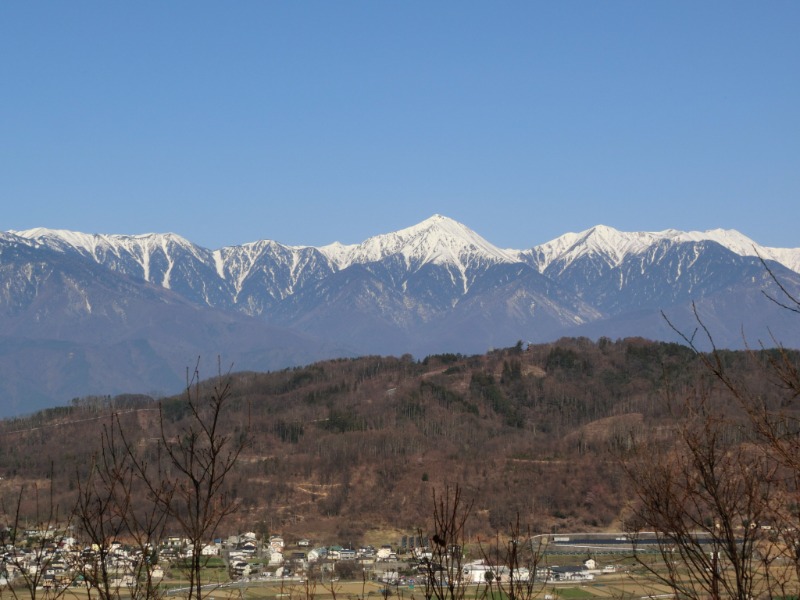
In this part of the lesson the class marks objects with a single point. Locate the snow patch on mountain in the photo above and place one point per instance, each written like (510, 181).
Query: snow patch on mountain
(283, 265)
(12, 237)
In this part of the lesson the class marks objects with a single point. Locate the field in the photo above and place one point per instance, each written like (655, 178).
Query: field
(620, 586)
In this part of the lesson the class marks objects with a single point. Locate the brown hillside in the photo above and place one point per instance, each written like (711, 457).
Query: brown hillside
(346, 447)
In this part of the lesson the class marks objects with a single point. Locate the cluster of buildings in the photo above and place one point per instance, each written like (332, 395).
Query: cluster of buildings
(247, 556)
(54, 559)
(49, 559)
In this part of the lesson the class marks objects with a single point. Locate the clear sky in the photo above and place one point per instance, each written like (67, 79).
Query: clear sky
(309, 122)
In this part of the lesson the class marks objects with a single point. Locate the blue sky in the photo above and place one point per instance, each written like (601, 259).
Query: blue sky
(309, 122)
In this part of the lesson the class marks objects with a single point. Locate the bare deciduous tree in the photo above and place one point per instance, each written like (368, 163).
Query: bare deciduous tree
(720, 494)
(188, 480)
(106, 512)
(702, 490)
(515, 561)
(444, 577)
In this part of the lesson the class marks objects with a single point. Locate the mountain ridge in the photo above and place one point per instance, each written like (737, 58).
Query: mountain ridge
(406, 242)
(158, 299)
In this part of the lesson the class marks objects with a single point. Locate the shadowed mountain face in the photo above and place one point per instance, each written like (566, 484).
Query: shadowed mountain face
(100, 314)
(71, 327)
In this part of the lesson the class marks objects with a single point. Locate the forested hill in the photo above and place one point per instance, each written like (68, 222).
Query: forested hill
(352, 445)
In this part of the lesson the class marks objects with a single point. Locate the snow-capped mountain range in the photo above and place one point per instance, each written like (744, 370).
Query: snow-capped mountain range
(103, 313)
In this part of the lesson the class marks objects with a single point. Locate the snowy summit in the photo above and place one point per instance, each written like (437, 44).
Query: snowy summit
(437, 240)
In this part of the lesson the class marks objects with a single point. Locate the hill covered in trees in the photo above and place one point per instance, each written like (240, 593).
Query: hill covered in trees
(343, 447)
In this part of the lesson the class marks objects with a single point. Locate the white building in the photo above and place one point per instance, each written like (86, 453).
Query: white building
(211, 549)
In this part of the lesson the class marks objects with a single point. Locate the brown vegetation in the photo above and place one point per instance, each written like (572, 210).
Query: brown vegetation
(718, 488)
(345, 446)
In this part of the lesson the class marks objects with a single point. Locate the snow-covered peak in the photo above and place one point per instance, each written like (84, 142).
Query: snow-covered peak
(90, 243)
(437, 240)
(729, 238)
(237, 262)
(613, 245)
(744, 246)
(61, 239)
(120, 250)
(337, 252)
